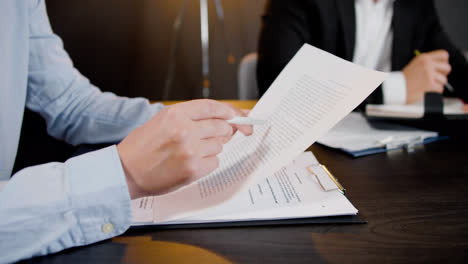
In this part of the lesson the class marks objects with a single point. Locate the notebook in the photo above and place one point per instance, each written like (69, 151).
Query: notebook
(451, 106)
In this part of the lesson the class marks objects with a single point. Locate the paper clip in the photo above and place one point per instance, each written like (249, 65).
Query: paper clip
(322, 182)
(409, 144)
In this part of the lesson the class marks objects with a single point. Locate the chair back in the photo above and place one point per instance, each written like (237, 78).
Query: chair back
(247, 77)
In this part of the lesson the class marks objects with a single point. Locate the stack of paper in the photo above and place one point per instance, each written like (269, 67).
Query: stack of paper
(357, 137)
(292, 192)
(312, 93)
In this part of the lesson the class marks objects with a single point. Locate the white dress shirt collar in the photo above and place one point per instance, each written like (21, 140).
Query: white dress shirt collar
(373, 45)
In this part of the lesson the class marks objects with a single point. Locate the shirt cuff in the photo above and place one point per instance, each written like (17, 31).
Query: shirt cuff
(394, 89)
(99, 194)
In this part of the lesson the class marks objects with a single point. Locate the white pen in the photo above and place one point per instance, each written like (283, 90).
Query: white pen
(449, 87)
(247, 121)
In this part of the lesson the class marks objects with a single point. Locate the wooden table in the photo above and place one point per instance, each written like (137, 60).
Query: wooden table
(416, 206)
(244, 104)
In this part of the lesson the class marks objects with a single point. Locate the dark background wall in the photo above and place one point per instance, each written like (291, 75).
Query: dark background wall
(454, 17)
(124, 45)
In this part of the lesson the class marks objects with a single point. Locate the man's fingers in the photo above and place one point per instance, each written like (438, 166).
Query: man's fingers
(439, 82)
(207, 109)
(245, 111)
(245, 129)
(443, 68)
(465, 109)
(213, 128)
(439, 55)
(436, 84)
(225, 140)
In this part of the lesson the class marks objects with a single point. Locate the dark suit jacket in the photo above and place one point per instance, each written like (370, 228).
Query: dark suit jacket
(330, 25)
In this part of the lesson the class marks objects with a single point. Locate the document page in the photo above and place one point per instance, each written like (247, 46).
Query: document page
(292, 192)
(312, 93)
(142, 210)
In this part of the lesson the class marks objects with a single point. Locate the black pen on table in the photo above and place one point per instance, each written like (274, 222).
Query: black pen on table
(447, 85)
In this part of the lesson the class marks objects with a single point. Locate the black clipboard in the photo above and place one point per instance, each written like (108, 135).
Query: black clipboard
(347, 219)
(321, 220)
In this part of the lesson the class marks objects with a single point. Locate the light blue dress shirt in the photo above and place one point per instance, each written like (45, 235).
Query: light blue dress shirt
(47, 208)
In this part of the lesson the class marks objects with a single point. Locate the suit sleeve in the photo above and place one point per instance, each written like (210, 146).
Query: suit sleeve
(437, 38)
(285, 28)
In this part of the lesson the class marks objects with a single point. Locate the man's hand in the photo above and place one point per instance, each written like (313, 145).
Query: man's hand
(426, 73)
(177, 146)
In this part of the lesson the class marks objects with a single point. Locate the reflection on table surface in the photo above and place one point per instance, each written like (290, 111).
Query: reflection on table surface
(143, 250)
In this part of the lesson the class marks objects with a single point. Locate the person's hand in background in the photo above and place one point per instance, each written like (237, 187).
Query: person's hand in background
(426, 73)
(177, 146)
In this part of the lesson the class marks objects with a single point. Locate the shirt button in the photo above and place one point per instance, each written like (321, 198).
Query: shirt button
(107, 228)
